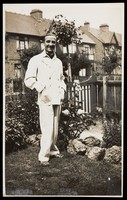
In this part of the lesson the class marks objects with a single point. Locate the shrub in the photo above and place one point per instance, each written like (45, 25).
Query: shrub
(27, 54)
(72, 124)
(112, 133)
(79, 62)
(25, 111)
(21, 121)
(15, 138)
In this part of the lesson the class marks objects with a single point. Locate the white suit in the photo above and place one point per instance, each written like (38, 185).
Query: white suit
(46, 76)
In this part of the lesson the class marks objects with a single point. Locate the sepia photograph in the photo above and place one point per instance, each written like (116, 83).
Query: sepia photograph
(63, 76)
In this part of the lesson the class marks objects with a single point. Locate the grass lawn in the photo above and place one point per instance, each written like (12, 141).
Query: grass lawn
(71, 175)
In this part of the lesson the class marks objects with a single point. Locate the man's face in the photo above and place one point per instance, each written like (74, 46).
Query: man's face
(50, 43)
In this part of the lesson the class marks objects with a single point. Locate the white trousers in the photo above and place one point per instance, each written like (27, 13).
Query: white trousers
(49, 121)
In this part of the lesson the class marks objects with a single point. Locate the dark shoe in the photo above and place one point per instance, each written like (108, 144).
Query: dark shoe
(57, 156)
(44, 163)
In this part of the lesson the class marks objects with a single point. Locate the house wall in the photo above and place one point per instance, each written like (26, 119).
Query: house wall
(99, 49)
(99, 53)
(34, 41)
(12, 57)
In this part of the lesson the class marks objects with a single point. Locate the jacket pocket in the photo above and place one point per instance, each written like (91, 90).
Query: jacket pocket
(45, 96)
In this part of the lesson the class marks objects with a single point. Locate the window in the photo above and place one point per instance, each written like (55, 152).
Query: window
(17, 85)
(72, 48)
(17, 82)
(17, 69)
(82, 72)
(21, 43)
(91, 57)
(86, 49)
(64, 50)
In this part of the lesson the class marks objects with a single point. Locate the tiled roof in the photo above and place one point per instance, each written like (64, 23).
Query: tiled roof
(24, 24)
(86, 39)
(104, 36)
(119, 38)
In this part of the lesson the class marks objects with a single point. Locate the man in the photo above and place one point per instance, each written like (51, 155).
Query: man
(45, 74)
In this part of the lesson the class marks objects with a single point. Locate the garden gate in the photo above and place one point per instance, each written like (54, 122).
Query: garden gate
(84, 94)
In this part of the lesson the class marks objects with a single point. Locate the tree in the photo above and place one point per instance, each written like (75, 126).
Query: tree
(26, 54)
(66, 34)
(79, 62)
(111, 60)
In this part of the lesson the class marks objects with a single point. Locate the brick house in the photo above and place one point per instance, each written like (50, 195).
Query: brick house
(87, 47)
(103, 39)
(23, 31)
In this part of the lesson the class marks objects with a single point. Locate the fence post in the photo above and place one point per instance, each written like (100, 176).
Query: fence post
(104, 95)
(93, 97)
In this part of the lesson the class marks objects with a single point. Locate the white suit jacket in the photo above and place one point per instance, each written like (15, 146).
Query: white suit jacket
(46, 76)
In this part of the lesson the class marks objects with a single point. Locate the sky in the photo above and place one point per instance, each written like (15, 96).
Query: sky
(96, 14)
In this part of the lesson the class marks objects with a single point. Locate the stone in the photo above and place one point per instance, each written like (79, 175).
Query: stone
(95, 153)
(113, 155)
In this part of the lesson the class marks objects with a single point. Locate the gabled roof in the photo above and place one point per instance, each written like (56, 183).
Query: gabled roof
(104, 36)
(119, 38)
(24, 24)
(86, 39)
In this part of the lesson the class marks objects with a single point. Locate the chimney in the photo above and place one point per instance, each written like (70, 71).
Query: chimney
(36, 14)
(86, 26)
(104, 27)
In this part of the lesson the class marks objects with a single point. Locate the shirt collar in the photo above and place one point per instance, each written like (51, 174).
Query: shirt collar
(45, 55)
